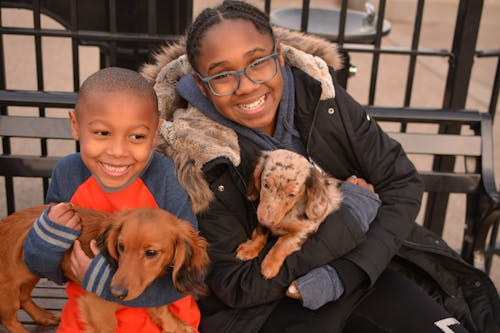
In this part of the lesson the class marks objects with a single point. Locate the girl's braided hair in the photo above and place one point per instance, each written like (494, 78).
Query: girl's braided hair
(228, 10)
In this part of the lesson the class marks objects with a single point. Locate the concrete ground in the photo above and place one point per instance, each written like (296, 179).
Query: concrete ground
(430, 80)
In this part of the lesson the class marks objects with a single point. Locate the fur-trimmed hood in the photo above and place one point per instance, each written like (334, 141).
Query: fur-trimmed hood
(192, 139)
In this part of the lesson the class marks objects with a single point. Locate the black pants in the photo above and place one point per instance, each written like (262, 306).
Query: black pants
(394, 304)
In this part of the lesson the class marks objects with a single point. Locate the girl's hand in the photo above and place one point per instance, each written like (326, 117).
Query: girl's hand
(63, 213)
(360, 182)
(80, 262)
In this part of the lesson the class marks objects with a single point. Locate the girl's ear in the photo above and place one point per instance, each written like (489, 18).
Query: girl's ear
(281, 59)
(74, 124)
(203, 87)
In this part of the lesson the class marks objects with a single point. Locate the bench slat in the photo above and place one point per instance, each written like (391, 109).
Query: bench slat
(38, 98)
(27, 166)
(447, 182)
(439, 144)
(35, 127)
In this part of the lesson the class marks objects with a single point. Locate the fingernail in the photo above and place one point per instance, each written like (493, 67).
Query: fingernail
(292, 290)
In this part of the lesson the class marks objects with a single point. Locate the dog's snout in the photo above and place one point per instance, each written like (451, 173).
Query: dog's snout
(119, 292)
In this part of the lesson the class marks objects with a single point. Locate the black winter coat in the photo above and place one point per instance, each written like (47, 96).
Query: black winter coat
(343, 140)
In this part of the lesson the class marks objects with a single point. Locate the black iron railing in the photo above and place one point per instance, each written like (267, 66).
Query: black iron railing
(128, 31)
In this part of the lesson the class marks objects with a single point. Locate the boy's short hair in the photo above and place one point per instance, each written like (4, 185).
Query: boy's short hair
(113, 79)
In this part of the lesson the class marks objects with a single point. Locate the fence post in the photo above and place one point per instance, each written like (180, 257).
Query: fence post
(457, 85)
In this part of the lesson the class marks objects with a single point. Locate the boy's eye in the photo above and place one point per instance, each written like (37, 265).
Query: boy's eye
(102, 133)
(137, 137)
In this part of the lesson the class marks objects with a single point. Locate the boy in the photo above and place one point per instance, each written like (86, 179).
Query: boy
(116, 121)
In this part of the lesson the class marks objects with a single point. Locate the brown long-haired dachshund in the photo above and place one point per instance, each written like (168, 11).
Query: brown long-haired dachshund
(144, 242)
(295, 198)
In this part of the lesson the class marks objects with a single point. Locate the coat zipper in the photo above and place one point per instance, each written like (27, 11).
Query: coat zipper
(310, 134)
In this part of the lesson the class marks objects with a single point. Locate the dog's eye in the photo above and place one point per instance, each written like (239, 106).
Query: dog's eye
(151, 253)
(292, 195)
(265, 185)
(120, 247)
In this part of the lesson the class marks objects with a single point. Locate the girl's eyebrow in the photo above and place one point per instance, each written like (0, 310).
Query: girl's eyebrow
(247, 54)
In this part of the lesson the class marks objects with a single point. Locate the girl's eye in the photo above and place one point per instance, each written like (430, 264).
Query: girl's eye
(120, 247)
(259, 62)
(223, 76)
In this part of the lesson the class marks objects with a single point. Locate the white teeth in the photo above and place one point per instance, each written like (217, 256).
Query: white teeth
(253, 105)
(115, 169)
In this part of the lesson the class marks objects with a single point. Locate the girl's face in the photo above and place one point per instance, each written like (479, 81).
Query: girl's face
(232, 45)
(116, 132)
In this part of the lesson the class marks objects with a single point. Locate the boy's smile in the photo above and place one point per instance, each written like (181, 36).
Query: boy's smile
(116, 131)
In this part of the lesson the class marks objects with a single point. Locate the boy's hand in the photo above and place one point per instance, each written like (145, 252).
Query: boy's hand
(80, 262)
(63, 213)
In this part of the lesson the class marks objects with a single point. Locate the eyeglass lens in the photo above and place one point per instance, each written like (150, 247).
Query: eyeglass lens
(259, 71)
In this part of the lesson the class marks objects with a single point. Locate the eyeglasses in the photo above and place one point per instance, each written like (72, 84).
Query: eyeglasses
(259, 71)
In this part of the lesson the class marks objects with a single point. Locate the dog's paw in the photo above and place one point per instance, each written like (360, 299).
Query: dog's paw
(45, 318)
(269, 269)
(247, 251)
(184, 328)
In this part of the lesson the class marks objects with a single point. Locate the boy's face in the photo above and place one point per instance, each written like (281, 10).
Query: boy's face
(116, 131)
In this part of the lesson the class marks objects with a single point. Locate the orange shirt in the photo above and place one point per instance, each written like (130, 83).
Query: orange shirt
(130, 320)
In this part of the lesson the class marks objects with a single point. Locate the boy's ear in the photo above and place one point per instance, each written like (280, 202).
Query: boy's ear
(157, 132)
(74, 124)
(203, 87)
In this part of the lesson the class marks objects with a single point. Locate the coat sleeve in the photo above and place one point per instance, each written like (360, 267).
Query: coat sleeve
(239, 284)
(383, 163)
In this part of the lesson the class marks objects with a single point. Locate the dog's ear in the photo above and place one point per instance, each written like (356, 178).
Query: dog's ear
(316, 195)
(102, 243)
(253, 189)
(191, 262)
(107, 241)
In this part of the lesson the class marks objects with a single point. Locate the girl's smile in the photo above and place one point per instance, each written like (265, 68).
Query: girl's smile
(253, 107)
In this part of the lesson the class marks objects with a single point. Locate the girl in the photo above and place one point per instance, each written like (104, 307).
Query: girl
(246, 87)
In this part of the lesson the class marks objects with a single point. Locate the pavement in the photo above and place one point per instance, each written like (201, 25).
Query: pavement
(430, 80)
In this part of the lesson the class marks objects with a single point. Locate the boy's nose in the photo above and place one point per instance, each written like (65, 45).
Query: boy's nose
(117, 148)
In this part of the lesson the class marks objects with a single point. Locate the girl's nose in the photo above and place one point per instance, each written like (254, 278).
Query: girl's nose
(246, 85)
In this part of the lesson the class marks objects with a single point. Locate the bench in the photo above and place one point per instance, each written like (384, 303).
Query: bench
(16, 162)
(474, 146)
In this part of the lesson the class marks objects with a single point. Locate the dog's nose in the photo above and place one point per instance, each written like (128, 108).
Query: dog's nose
(119, 292)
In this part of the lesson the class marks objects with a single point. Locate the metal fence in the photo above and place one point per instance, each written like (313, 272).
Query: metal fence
(127, 31)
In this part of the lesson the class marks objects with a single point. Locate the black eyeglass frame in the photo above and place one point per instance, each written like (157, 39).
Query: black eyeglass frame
(239, 73)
